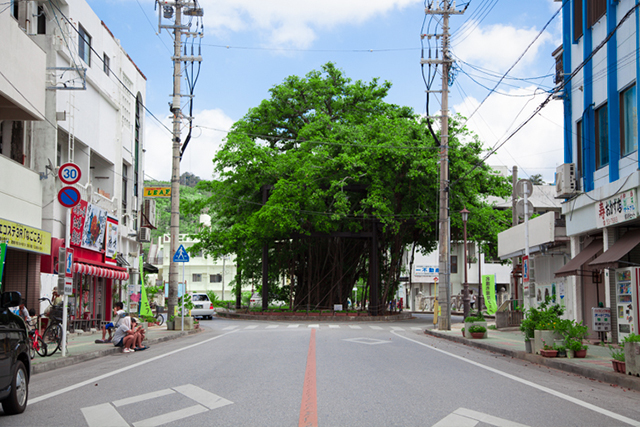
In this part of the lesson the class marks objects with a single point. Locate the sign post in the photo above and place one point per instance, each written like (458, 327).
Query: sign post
(182, 256)
(69, 174)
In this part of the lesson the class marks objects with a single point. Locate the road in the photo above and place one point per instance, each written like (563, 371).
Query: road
(243, 373)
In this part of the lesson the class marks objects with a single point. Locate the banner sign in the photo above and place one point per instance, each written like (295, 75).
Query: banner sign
(619, 208)
(145, 308)
(77, 222)
(3, 251)
(111, 241)
(24, 237)
(489, 292)
(95, 224)
(426, 270)
(156, 192)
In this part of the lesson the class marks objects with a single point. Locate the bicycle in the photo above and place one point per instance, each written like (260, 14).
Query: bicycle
(52, 336)
(159, 319)
(37, 344)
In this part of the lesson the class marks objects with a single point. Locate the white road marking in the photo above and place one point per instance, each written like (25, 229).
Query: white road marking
(552, 392)
(313, 326)
(171, 416)
(293, 326)
(463, 417)
(142, 397)
(272, 326)
(355, 327)
(103, 415)
(203, 397)
(230, 328)
(396, 328)
(334, 326)
(415, 328)
(119, 371)
(251, 327)
(368, 341)
(377, 328)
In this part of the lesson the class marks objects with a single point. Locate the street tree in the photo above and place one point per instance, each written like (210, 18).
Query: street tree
(313, 172)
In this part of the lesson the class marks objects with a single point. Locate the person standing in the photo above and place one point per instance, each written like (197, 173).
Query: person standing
(473, 299)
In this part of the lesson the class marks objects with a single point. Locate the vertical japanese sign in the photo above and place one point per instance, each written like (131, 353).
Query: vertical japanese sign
(145, 308)
(489, 292)
(3, 251)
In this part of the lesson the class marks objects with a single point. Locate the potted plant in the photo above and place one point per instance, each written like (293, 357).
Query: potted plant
(548, 351)
(477, 331)
(617, 359)
(463, 332)
(478, 320)
(170, 323)
(562, 350)
(326, 313)
(632, 354)
(575, 345)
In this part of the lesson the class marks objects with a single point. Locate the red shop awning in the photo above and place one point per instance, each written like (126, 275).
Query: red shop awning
(94, 270)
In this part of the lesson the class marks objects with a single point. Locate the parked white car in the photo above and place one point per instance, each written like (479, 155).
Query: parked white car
(256, 300)
(202, 306)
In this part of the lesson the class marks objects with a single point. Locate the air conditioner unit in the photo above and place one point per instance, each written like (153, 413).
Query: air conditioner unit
(565, 180)
(145, 234)
(149, 213)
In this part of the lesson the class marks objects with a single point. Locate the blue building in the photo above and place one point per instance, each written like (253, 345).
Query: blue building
(597, 72)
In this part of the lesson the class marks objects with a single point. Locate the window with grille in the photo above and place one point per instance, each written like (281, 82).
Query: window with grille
(602, 137)
(196, 277)
(628, 121)
(84, 45)
(215, 278)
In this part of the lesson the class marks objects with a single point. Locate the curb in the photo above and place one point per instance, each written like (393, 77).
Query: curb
(626, 381)
(50, 365)
(247, 316)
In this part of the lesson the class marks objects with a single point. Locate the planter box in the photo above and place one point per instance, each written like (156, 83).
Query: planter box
(580, 354)
(619, 366)
(549, 353)
(477, 335)
(467, 325)
(326, 314)
(632, 358)
(542, 337)
(188, 323)
(528, 345)
(341, 314)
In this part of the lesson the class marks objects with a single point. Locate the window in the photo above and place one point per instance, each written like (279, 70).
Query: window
(125, 184)
(14, 8)
(105, 63)
(215, 278)
(602, 137)
(628, 121)
(196, 278)
(577, 19)
(42, 21)
(595, 10)
(454, 264)
(84, 45)
(578, 156)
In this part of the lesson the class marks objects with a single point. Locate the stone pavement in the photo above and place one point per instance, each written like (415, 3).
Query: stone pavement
(597, 365)
(82, 347)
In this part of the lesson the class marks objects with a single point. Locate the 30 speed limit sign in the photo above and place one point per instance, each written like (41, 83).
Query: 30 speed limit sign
(69, 173)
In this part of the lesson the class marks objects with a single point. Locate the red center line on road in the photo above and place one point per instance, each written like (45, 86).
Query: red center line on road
(309, 406)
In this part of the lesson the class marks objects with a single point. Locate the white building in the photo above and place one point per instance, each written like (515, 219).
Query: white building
(88, 96)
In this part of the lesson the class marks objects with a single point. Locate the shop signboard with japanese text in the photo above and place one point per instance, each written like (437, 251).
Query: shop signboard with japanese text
(111, 241)
(619, 208)
(23, 237)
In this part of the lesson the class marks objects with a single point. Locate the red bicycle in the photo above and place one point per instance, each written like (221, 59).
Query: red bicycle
(37, 344)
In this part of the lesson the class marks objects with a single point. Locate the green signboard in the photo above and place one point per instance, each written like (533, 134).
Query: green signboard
(489, 292)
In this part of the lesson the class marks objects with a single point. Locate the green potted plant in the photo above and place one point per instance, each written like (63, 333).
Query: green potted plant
(562, 350)
(478, 320)
(548, 351)
(575, 345)
(617, 359)
(573, 333)
(477, 331)
(632, 354)
(463, 332)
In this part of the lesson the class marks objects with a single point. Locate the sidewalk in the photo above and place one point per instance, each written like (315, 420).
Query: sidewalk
(82, 347)
(597, 365)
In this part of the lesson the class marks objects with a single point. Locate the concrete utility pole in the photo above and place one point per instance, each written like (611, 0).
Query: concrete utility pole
(166, 10)
(444, 261)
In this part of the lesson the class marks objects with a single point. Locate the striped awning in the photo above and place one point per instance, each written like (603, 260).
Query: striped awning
(94, 270)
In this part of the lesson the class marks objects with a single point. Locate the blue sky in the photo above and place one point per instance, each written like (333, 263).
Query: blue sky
(250, 45)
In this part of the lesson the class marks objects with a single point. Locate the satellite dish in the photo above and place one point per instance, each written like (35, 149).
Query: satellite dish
(520, 208)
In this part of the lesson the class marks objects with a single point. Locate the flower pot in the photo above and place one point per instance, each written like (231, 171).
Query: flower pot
(341, 314)
(619, 366)
(463, 333)
(477, 335)
(528, 346)
(549, 353)
(632, 358)
(542, 337)
(579, 354)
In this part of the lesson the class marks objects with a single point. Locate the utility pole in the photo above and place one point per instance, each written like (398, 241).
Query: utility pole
(166, 10)
(444, 240)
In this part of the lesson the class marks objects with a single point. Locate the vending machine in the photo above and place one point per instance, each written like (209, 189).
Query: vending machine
(627, 284)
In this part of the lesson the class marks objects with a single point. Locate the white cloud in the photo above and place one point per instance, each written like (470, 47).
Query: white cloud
(210, 128)
(537, 148)
(497, 47)
(292, 23)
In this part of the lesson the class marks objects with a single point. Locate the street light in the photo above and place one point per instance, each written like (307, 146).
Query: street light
(465, 286)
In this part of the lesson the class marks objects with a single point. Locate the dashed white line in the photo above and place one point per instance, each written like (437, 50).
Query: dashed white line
(377, 328)
(355, 327)
(272, 326)
(251, 327)
(334, 326)
(293, 326)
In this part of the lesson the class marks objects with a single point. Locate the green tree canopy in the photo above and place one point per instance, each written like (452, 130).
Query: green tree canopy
(334, 158)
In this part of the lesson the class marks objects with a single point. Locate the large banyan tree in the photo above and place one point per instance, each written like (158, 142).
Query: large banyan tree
(332, 185)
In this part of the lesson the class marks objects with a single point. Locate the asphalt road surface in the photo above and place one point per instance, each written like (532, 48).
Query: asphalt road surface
(244, 373)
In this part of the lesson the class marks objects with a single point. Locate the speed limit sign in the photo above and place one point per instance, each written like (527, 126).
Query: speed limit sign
(69, 173)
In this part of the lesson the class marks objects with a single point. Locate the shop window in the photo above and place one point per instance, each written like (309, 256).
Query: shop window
(628, 121)
(84, 45)
(602, 137)
(196, 277)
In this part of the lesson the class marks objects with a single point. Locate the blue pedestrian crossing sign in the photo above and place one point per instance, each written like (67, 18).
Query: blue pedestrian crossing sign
(181, 255)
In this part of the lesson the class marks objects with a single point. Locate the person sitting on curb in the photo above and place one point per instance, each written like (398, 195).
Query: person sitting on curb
(128, 336)
(118, 312)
